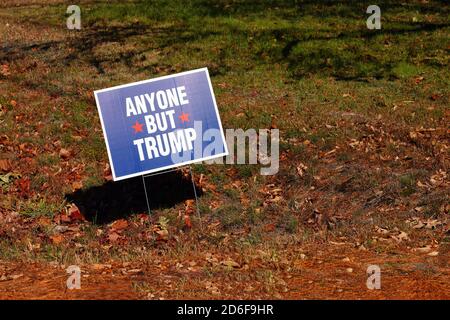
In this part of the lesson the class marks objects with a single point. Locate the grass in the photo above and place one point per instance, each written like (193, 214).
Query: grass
(39, 208)
(407, 184)
(326, 82)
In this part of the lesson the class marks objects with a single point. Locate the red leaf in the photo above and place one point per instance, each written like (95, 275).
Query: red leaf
(75, 214)
(24, 186)
(64, 154)
(56, 239)
(187, 221)
(112, 237)
(5, 165)
(119, 225)
(270, 227)
(107, 173)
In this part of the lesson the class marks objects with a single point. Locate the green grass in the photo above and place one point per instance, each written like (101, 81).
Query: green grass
(47, 159)
(407, 182)
(322, 79)
(39, 208)
(231, 216)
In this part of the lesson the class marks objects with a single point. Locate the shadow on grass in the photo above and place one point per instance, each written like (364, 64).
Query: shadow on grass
(327, 48)
(120, 199)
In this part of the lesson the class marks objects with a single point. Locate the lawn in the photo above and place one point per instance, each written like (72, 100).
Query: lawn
(363, 118)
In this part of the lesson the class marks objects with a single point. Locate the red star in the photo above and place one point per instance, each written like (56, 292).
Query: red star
(184, 117)
(137, 127)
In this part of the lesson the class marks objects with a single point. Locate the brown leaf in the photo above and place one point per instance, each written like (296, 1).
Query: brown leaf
(143, 217)
(425, 249)
(5, 165)
(230, 263)
(301, 168)
(77, 185)
(57, 239)
(4, 70)
(107, 174)
(189, 203)
(64, 153)
(64, 218)
(57, 218)
(187, 221)
(112, 237)
(435, 96)
(100, 267)
(400, 237)
(163, 235)
(24, 186)
(418, 80)
(119, 225)
(74, 213)
(44, 221)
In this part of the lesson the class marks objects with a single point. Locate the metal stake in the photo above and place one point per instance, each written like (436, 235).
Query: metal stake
(196, 198)
(146, 196)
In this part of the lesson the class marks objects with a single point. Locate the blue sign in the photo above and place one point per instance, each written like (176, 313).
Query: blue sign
(160, 123)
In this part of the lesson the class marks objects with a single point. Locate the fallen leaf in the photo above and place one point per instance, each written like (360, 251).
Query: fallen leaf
(187, 221)
(301, 168)
(74, 213)
(269, 227)
(99, 267)
(163, 235)
(230, 263)
(400, 237)
(112, 237)
(5, 165)
(381, 230)
(212, 288)
(57, 239)
(107, 174)
(135, 271)
(346, 259)
(435, 96)
(4, 70)
(77, 185)
(64, 154)
(24, 186)
(143, 217)
(432, 224)
(44, 221)
(423, 249)
(61, 218)
(119, 225)
(418, 80)
(60, 229)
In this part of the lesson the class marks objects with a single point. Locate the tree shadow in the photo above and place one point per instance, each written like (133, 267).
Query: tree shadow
(184, 30)
(120, 199)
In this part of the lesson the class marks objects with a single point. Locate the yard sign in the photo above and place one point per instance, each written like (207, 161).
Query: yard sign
(161, 123)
